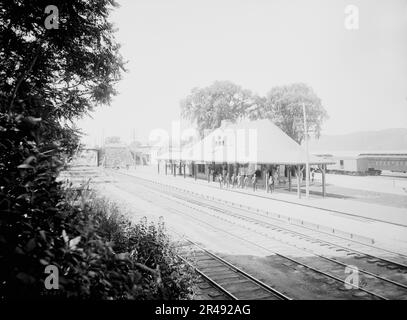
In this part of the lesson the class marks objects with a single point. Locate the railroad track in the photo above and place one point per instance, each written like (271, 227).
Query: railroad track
(397, 262)
(286, 218)
(306, 232)
(226, 277)
(215, 186)
(377, 284)
(254, 242)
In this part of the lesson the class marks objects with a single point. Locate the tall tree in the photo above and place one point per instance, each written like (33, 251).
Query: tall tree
(223, 100)
(283, 106)
(56, 65)
(48, 78)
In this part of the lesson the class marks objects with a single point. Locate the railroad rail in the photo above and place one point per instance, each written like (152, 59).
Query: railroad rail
(226, 277)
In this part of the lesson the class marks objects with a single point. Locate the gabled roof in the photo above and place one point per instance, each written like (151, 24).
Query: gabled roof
(246, 141)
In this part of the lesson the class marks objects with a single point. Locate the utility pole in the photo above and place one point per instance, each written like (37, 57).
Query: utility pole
(307, 151)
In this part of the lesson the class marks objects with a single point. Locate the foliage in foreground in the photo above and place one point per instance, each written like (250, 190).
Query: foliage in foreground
(98, 253)
(150, 268)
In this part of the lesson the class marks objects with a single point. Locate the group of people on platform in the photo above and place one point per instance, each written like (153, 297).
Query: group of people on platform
(243, 181)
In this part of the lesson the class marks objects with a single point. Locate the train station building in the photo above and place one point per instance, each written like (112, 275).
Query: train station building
(246, 148)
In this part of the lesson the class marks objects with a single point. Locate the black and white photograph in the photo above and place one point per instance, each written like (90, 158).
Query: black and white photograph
(203, 156)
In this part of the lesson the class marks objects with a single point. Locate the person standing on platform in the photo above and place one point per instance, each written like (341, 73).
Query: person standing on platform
(220, 178)
(271, 183)
(312, 175)
(239, 180)
(228, 179)
(245, 181)
(254, 182)
(275, 179)
(233, 180)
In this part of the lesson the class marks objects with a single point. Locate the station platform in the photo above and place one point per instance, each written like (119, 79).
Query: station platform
(369, 223)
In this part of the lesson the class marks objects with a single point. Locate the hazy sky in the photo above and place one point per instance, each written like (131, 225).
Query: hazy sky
(175, 45)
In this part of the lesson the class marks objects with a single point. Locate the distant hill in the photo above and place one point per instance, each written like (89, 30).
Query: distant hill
(383, 140)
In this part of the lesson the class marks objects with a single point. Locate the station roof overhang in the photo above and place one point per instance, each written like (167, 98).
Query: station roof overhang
(257, 142)
(292, 161)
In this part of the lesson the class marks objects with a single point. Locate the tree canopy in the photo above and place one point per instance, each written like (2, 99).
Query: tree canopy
(57, 74)
(283, 106)
(48, 78)
(222, 100)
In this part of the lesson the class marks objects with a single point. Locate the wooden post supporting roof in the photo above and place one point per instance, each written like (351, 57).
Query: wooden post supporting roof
(322, 167)
(298, 181)
(195, 170)
(289, 178)
(267, 181)
(323, 180)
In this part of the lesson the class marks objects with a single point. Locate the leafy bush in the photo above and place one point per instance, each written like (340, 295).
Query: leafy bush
(125, 260)
(99, 254)
(31, 211)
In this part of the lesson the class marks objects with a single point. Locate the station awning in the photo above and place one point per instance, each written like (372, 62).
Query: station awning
(246, 141)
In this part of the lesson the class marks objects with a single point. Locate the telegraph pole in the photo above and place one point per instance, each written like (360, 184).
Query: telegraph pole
(307, 151)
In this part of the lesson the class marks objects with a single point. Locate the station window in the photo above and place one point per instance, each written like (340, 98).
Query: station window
(220, 141)
(341, 163)
(201, 168)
